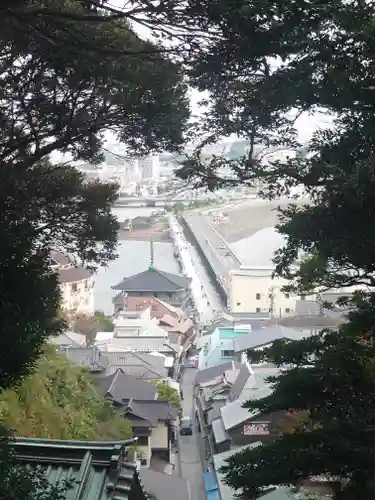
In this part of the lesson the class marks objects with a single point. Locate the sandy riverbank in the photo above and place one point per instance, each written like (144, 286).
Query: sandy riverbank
(251, 216)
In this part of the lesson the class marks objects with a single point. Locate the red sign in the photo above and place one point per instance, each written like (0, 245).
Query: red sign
(256, 429)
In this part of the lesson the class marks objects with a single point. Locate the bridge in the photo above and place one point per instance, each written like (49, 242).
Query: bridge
(215, 252)
(141, 201)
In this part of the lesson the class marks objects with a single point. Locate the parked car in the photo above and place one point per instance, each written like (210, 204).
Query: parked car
(186, 426)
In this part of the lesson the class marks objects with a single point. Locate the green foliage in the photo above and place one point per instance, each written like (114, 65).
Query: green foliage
(331, 379)
(91, 325)
(58, 401)
(51, 102)
(167, 393)
(178, 207)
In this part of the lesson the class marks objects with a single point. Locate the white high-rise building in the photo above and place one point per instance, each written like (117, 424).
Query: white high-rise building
(149, 167)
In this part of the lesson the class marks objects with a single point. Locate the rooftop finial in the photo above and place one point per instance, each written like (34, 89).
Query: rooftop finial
(152, 257)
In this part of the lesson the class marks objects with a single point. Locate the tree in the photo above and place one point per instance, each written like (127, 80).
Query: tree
(168, 393)
(178, 207)
(91, 325)
(51, 103)
(58, 401)
(274, 61)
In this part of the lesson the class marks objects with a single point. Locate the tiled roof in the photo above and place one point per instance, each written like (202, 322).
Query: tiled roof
(73, 274)
(163, 486)
(136, 343)
(241, 381)
(132, 365)
(96, 470)
(265, 336)
(88, 357)
(219, 432)
(151, 411)
(153, 280)
(234, 414)
(69, 339)
(215, 371)
(120, 387)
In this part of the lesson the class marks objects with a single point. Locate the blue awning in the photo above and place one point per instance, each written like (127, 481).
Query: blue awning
(211, 486)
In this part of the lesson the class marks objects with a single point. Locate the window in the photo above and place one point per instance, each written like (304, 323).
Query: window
(257, 296)
(257, 310)
(287, 296)
(227, 353)
(287, 310)
(74, 287)
(303, 297)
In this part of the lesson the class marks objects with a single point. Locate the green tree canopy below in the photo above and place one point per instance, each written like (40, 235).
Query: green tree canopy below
(168, 393)
(91, 325)
(58, 401)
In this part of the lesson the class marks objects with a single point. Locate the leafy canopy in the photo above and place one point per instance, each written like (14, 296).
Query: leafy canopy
(61, 97)
(272, 62)
(168, 393)
(58, 401)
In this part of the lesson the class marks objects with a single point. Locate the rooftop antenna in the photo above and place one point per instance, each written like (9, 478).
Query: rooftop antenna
(152, 256)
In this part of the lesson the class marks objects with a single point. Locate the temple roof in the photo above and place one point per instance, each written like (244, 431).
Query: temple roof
(95, 470)
(153, 280)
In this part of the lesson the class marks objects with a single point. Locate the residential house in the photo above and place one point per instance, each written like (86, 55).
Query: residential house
(209, 374)
(224, 319)
(152, 420)
(97, 470)
(153, 282)
(236, 425)
(264, 337)
(139, 365)
(225, 492)
(217, 348)
(76, 285)
(311, 318)
(69, 339)
(121, 387)
(143, 344)
(163, 486)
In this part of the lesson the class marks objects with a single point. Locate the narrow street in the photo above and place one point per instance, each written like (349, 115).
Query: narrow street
(189, 456)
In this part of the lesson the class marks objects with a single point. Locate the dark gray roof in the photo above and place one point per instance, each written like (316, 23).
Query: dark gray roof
(69, 339)
(215, 371)
(151, 411)
(265, 336)
(134, 365)
(120, 386)
(88, 357)
(73, 274)
(307, 322)
(240, 382)
(153, 280)
(163, 486)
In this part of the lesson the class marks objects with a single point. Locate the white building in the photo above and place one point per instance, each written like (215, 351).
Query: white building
(76, 285)
(149, 167)
(254, 290)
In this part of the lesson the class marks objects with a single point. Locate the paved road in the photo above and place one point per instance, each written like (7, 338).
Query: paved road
(213, 244)
(213, 302)
(190, 462)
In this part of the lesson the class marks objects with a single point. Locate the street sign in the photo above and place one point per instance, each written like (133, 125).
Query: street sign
(256, 429)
